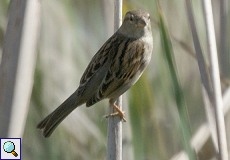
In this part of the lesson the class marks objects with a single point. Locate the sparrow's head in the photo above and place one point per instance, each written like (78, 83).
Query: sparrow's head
(136, 24)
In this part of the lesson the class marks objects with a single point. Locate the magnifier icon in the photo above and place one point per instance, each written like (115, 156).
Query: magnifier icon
(9, 147)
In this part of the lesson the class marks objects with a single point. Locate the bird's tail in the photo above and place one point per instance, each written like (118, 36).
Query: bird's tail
(49, 124)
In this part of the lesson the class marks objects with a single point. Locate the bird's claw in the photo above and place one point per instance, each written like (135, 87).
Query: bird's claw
(120, 114)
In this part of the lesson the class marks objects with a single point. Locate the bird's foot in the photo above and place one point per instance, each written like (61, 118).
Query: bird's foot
(118, 112)
(122, 116)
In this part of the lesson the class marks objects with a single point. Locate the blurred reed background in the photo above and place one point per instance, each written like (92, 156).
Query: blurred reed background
(71, 32)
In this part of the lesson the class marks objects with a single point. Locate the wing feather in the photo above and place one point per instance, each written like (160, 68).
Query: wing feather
(126, 65)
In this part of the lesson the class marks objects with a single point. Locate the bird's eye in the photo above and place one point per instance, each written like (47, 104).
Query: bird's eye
(131, 18)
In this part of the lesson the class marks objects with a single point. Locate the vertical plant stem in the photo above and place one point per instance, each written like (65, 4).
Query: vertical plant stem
(224, 54)
(114, 145)
(204, 73)
(200, 58)
(18, 65)
(178, 92)
(218, 102)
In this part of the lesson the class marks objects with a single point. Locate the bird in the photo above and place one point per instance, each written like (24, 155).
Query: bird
(116, 67)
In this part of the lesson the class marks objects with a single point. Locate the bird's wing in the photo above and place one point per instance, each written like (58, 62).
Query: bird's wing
(122, 73)
(97, 68)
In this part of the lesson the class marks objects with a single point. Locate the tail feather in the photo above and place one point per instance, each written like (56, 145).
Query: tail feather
(49, 124)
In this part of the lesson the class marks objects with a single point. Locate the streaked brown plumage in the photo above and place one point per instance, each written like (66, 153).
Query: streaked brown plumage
(113, 70)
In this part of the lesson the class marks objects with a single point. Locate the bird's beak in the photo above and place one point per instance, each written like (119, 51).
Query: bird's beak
(141, 23)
